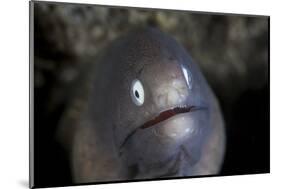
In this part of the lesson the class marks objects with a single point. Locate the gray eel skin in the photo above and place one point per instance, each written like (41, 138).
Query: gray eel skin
(148, 113)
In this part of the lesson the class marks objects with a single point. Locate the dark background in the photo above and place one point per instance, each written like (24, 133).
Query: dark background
(232, 51)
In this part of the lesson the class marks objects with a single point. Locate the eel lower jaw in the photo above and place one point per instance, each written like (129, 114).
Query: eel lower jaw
(162, 116)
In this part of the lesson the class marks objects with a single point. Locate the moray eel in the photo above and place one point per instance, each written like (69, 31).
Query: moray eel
(149, 114)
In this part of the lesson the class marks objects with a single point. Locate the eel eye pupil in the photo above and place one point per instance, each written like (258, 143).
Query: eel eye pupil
(137, 94)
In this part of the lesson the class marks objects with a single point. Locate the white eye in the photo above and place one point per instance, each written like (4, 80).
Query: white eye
(187, 76)
(137, 92)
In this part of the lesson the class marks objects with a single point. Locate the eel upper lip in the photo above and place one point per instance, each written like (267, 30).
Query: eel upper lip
(164, 115)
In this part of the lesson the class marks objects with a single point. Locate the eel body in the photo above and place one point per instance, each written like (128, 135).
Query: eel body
(148, 113)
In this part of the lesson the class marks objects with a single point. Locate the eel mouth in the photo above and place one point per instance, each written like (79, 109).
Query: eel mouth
(162, 116)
